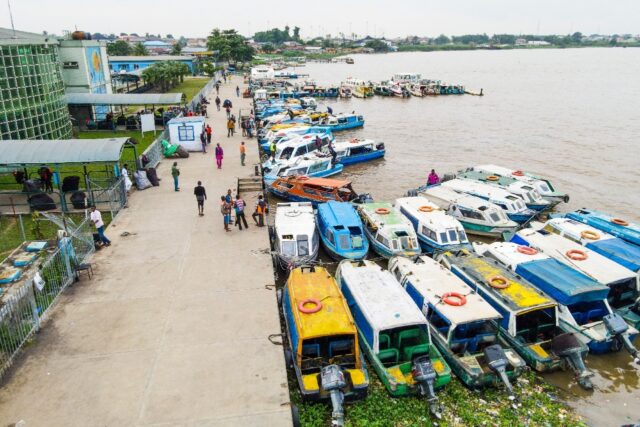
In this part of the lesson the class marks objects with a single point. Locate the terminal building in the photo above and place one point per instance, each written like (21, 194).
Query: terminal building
(127, 64)
(32, 92)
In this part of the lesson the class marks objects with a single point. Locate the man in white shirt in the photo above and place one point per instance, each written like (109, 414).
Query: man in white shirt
(96, 219)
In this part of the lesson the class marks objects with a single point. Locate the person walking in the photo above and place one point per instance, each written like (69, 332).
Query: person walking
(209, 132)
(203, 140)
(261, 210)
(219, 155)
(203, 111)
(127, 181)
(243, 153)
(243, 126)
(217, 88)
(218, 103)
(228, 110)
(201, 196)
(272, 150)
(239, 205)
(96, 219)
(225, 210)
(175, 173)
(238, 91)
(230, 127)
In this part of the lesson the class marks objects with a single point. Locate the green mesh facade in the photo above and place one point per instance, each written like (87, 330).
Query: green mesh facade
(32, 103)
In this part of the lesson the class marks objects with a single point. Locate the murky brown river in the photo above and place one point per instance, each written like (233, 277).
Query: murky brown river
(570, 115)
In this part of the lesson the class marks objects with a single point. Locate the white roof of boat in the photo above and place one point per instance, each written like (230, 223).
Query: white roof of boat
(381, 298)
(500, 170)
(451, 196)
(339, 145)
(295, 218)
(575, 228)
(508, 253)
(480, 188)
(433, 280)
(437, 217)
(596, 266)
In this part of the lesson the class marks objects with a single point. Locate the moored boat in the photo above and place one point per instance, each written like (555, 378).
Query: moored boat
(296, 146)
(529, 316)
(323, 342)
(357, 151)
(393, 332)
(436, 230)
(294, 235)
(315, 190)
(342, 121)
(310, 166)
(463, 325)
(618, 227)
(389, 232)
(341, 230)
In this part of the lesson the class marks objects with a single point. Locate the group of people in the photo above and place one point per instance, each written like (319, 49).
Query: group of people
(229, 205)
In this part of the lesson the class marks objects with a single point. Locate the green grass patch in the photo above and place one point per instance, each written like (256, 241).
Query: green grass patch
(190, 87)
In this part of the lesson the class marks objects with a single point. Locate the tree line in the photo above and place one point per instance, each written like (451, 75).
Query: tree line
(165, 74)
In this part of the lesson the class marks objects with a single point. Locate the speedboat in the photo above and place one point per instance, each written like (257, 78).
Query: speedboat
(403, 78)
(436, 230)
(345, 91)
(342, 121)
(310, 166)
(618, 227)
(622, 282)
(415, 89)
(542, 185)
(323, 343)
(315, 190)
(463, 325)
(294, 236)
(393, 332)
(359, 88)
(476, 215)
(389, 232)
(583, 306)
(357, 151)
(512, 205)
(341, 230)
(296, 147)
(381, 89)
(526, 192)
(529, 317)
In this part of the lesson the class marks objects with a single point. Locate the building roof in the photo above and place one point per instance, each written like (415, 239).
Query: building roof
(149, 58)
(124, 98)
(40, 152)
(156, 43)
(9, 36)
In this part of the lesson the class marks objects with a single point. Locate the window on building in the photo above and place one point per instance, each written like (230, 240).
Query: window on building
(186, 133)
(136, 66)
(70, 65)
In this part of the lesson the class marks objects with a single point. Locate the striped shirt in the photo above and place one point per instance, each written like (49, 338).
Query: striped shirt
(240, 205)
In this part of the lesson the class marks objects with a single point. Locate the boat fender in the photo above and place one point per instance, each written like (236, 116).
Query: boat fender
(498, 282)
(425, 208)
(577, 255)
(382, 211)
(517, 173)
(316, 306)
(590, 235)
(493, 178)
(455, 299)
(619, 221)
(527, 250)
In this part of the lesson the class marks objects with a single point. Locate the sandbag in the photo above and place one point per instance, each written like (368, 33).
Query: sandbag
(182, 152)
(142, 182)
(71, 183)
(78, 199)
(153, 176)
(41, 202)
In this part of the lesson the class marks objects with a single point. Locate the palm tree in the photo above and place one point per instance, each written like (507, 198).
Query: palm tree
(140, 50)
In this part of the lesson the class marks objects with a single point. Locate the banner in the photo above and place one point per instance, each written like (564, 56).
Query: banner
(147, 123)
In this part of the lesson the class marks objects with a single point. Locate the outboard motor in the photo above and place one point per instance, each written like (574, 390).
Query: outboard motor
(424, 375)
(333, 382)
(616, 326)
(567, 346)
(380, 146)
(497, 360)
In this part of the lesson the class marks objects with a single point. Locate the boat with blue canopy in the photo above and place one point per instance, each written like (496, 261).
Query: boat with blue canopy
(393, 333)
(529, 317)
(583, 304)
(463, 325)
(341, 230)
(618, 227)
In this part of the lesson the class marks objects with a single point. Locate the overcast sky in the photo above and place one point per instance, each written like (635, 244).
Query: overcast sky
(375, 17)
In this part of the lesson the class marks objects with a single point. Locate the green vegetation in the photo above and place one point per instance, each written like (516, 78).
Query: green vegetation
(230, 46)
(165, 74)
(118, 48)
(462, 407)
(276, 36)
(377, 45)
(140, 50)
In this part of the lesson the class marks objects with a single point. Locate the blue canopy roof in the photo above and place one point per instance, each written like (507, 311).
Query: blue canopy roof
(561, 282)
(339, 213)
(624, 253)
(602, 221)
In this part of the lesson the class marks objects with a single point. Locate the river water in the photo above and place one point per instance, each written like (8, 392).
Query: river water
(570, 115)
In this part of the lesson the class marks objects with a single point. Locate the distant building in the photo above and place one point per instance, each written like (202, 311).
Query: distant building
(313, 49)
(131, 63)
(521, 42)
(157, 46)
(32, 102)
(538, 43)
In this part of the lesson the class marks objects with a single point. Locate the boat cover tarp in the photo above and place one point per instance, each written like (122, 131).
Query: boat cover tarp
(624, 253)
(561, 282)
(602, 221)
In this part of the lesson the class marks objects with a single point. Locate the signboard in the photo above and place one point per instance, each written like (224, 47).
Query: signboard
(147, 123)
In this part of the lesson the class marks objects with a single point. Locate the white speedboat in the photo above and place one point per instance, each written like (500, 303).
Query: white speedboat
(310, 166)
(294, 237)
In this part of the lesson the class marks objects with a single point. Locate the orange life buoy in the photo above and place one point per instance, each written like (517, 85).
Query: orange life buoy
(527, 250)
(498, 282)
(620, 221)
(317, 306)
(425, 208)
(576, 255)
(454, 298)
(493, 178)
(517, 173)
(382, 211)
(591, 235)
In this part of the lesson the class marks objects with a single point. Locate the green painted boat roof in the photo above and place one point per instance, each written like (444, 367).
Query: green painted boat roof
(392, 218)
(482, 176)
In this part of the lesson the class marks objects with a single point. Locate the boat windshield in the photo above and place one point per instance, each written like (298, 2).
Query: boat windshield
(288, 248)
(544, 188)
(406, 241)
(494, 216)
(537, 325)
(303, 245)
(356, 238)
(473, 337)
(588, 311)
(463, 236)
(453, 235)
(335, 349)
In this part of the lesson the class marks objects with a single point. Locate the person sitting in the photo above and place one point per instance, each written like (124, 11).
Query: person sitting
(433, 178)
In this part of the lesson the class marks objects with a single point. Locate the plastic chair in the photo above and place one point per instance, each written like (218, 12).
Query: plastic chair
(409, 338)
(385, 341)
(342, 347)
(411, 353)
(311, 350)
(389, 356)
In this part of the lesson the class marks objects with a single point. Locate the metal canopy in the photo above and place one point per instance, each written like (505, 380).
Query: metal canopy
(124, 98)
(78, 151)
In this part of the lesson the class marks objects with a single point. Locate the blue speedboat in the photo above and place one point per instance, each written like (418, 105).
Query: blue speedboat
(311, 166)
(583, 306)
(617, 226)
(341, 230)
(357, 151)
(343, 122)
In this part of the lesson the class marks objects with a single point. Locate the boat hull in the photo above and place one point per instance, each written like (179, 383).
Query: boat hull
(360, 158)
(484, 230)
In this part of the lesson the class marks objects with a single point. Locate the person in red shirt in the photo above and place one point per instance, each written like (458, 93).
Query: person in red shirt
(209, 131)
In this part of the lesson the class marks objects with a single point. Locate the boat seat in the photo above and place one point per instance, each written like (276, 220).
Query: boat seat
(459, 345)
(389, 357)
(340, 347)
(385, 341)
(311, 351)
(595, 314)
(580, 318)
(472, 345)
(411, 353)
(409, 338)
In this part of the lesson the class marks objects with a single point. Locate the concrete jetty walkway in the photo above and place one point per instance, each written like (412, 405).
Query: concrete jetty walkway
(172, 330)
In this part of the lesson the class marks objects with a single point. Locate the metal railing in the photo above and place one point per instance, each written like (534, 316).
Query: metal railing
(22, 311)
